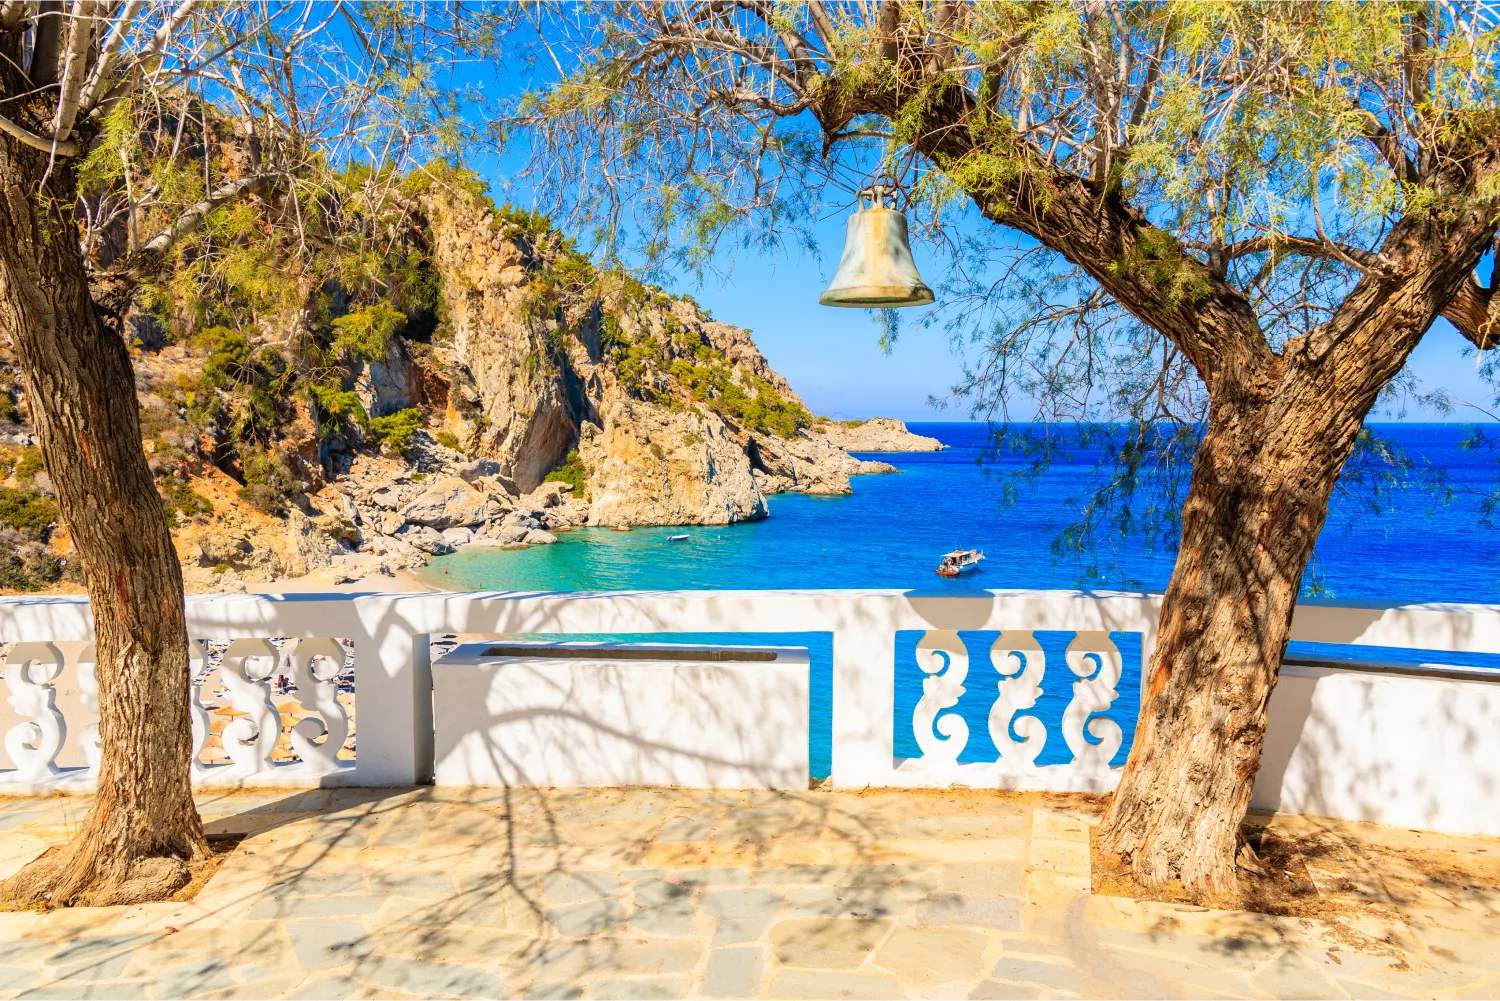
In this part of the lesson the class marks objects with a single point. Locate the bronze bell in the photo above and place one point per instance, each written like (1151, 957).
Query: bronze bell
(877, 270)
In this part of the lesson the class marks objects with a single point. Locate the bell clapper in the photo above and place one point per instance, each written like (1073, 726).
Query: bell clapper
(876, 270)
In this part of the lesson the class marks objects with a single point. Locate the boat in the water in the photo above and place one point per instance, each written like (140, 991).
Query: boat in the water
(677, 538)
(958, 561)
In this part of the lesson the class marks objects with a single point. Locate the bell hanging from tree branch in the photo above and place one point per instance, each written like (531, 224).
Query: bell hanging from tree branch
(876, 270)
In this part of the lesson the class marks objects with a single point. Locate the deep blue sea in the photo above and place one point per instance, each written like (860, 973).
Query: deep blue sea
(1426, 543)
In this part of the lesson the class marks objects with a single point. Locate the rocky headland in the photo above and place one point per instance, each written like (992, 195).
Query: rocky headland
(512, 391)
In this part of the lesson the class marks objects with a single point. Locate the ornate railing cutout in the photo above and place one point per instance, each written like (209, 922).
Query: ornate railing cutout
(1019, 737)
(291, 740)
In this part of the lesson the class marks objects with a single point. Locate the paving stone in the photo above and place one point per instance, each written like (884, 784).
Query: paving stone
(115, 990)
(1055, 975)
(733, 973)
(317, 886)
(970, 909)
(729, 876)
(334, 988)
(682, 829)
(827, 943)
(424, 978)
(185, 979)
(1356, 989)
(413, 884)
(994, 990)
(1291, 976)
(993, 879)
(14, 978)
(407, 828)
(741, 915)
(255, 990)
(325, 943)
(29, 950)
(1233, 952)
(641, 988)
(103, 968)
(577, 887)
(552, 991)
(566, 961)
(850, 901)
(846, 986)
(82, 950)
(662, 908)
(587, 919)
(933, 955)
(273, 908)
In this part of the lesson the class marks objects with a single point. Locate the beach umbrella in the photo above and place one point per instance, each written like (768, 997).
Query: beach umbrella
(876, 270)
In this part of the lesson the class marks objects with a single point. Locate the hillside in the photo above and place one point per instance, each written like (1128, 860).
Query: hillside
(495, 389)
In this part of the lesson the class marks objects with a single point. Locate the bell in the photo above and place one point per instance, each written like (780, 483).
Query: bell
(876, 270)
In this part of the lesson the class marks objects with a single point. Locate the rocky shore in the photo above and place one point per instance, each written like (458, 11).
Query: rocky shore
(527, 394)
(879, 434)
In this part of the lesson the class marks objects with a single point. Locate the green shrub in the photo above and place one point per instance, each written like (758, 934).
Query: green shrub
(30, 463)
(366, 332)
(27, 566)
(398, 429)
(30, 512)
(228, 354)
(177, 496)
(448, 439)
(270, 482)
(570, 472)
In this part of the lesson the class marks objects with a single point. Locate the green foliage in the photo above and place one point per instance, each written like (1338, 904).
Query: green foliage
(29, 464)
(228, 354)
(178, 496)
(571, 472)
(271, 484)
(397, 430)
(448, 439)
(30, 512)
(365, 333)
(27, 566)
(762, 409)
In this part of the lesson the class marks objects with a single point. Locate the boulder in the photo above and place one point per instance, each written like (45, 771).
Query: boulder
(425, 539)
(650, 465)
(456, 537)
(449, 502)
(538, 537)
(478, 469)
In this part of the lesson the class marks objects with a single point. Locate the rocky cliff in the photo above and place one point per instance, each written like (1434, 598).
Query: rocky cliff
(499, 389)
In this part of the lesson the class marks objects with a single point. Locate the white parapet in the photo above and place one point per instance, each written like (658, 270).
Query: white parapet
(605, 714)
(1411, 748)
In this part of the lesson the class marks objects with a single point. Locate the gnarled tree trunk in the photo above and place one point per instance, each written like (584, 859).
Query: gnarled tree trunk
(1258, 499)
(143, 826)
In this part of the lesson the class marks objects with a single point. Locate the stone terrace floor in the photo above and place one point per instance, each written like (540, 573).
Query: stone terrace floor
(670, 894)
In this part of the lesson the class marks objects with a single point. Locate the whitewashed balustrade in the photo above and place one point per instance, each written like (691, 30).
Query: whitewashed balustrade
(246, 668)
(1021, 663)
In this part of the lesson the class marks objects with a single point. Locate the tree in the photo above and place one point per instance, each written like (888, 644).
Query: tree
(1248, 216)
(125, 128)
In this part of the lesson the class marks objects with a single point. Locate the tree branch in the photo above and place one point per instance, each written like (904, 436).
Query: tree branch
(61, 148)
(75, 58)
(1475, 311)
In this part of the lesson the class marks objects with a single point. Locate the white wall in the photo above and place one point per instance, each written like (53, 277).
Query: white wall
(1419, 752)
(529, 721)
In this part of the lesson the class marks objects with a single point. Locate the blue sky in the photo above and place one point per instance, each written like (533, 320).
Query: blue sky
(832, 358)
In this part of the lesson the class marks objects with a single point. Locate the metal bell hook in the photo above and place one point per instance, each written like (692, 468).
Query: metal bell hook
(876, 269)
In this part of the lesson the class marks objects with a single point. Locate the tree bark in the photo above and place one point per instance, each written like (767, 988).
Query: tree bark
(1257, 501)
(143, 826)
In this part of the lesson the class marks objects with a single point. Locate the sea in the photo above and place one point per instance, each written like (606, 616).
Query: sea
(1422, 536)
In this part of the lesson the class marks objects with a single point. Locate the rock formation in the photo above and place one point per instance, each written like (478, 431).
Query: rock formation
(879, 434)
(526, 363)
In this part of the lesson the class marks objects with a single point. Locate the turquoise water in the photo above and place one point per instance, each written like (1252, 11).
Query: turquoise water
(891, 531)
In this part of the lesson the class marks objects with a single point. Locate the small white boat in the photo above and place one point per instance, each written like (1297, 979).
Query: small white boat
(677, 538)
(958, 561)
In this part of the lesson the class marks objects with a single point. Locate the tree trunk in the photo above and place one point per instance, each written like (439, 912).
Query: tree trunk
(143, 826)
(1257, 501)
